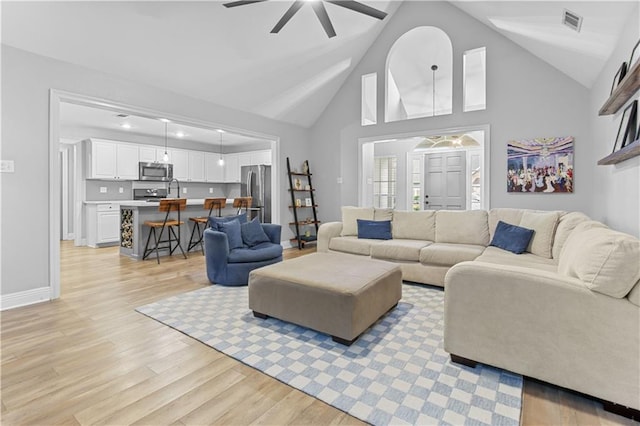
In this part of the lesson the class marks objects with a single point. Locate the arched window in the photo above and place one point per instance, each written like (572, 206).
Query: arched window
(419, 75)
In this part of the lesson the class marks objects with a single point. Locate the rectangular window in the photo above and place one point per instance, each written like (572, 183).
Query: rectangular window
(475, 79)
(369, 99)
(384, 182)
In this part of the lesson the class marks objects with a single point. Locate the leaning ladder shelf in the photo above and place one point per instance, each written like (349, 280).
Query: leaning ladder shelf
(301, 239)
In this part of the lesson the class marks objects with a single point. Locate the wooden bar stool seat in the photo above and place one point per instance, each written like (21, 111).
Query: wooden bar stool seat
(209, 203)
(240, 203)
(166, 205)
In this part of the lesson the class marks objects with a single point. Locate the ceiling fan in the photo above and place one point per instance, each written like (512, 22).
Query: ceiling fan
(319, 9)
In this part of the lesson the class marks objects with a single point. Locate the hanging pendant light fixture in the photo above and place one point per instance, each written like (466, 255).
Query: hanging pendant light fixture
(434, 68)
(221, 160)
(165, 157)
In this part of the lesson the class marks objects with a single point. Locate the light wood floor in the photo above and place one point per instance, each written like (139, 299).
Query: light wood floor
(89, 358)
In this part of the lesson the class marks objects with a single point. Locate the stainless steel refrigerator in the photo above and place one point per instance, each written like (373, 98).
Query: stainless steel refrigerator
(256, 183)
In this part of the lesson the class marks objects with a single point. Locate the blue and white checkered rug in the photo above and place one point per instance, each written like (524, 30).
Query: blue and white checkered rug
(397, 372)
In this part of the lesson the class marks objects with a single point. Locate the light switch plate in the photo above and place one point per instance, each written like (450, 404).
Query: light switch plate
(7, 166)
(103, 189)
(210, 190)
(339, 180)
(121, 190)
(184, 190)
(369, 181)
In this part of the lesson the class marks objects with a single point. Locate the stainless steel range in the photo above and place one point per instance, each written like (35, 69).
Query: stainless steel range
(151, 195)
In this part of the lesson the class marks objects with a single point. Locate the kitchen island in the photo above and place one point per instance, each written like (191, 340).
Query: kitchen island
(133, 233)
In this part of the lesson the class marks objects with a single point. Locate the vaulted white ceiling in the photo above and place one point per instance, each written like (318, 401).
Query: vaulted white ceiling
(228, 57)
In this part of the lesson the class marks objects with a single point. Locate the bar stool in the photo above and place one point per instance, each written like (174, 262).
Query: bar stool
(242, 203)
(166, 205)
(209, 203)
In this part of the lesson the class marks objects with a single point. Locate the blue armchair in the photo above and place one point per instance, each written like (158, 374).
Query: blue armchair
(232, 267)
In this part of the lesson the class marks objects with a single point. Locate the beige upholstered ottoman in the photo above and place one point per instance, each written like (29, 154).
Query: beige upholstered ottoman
(335, 294)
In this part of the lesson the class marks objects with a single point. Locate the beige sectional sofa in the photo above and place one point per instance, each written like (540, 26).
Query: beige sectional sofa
(567, 311)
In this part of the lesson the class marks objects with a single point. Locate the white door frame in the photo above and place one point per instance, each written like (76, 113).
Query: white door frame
(56, 97)
(485, 163)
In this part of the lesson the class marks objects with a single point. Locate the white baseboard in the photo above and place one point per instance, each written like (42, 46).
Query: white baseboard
(23, 298)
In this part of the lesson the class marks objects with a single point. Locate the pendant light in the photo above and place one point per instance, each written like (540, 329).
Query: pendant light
(221, 160)
(165, 157)
(434, 68)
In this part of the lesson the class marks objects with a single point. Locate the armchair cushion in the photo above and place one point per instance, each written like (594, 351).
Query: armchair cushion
(253, 234)
(233, 231)
(214, 221)
(257, 253)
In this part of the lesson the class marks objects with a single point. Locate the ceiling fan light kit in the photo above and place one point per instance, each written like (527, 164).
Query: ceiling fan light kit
(320, 11)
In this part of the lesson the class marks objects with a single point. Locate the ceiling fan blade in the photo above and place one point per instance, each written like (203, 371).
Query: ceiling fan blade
(359, 7)
(322, 15)
(241, 3)
(288, 15)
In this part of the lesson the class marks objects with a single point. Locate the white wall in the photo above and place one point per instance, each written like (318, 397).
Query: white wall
(526, 98)
(616, 188)
(26, 81)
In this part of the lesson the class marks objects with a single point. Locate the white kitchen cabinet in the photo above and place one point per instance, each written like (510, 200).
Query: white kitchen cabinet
(244, 159)
(127, 161)
(196, 166)
(180, 161)
(147, 154)
(103, 224)
(213, 171)
(111, 160)
(261, 157)
(231, 168)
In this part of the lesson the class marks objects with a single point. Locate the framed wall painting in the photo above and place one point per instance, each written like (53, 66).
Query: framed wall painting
(622, 71)
(542, 165)
(635, 55)
(627, 130)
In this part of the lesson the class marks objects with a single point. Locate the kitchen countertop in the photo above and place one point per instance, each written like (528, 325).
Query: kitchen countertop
(143, 203)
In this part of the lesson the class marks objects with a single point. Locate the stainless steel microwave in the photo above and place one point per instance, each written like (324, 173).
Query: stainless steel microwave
(156, 171)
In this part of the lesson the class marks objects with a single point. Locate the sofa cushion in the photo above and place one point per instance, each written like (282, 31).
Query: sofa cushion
(257, 253)
(234, 234)
(605, 260)
(353, 245)
(566, 224)
(498, 256)
(349, 217)
(399, 249)
(374, 229)
(511, 237)
(462, 227)
(382, 214)
(511, 216)
(253, 234)
(634, 294)
(420, 225)
(544, 224)
(447, 254)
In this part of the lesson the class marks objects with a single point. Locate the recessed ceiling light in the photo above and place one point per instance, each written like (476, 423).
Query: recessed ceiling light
(164, 120)
(125, 125)
(220, 131)
(180, 134)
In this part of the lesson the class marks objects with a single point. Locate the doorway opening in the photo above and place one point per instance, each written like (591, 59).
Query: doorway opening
(427, 170)
(67, 183)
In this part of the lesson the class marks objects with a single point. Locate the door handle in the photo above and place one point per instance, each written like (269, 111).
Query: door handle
(426, 202)
(426, 196)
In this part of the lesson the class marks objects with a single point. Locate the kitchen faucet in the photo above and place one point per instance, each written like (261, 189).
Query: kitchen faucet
(177, 184)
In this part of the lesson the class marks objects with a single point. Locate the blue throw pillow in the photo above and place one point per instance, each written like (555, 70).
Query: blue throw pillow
(374, 229)
(234, 235)
(511, 237)
(253, 234)
(214, 221)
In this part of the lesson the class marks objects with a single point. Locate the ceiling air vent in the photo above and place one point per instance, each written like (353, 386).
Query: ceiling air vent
(122, 115)
(572, 20)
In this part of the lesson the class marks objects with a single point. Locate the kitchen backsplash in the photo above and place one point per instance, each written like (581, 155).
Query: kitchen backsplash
(194, 190)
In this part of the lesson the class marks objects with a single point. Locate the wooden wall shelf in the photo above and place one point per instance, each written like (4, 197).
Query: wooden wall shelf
(625, 90)
(629, 151)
